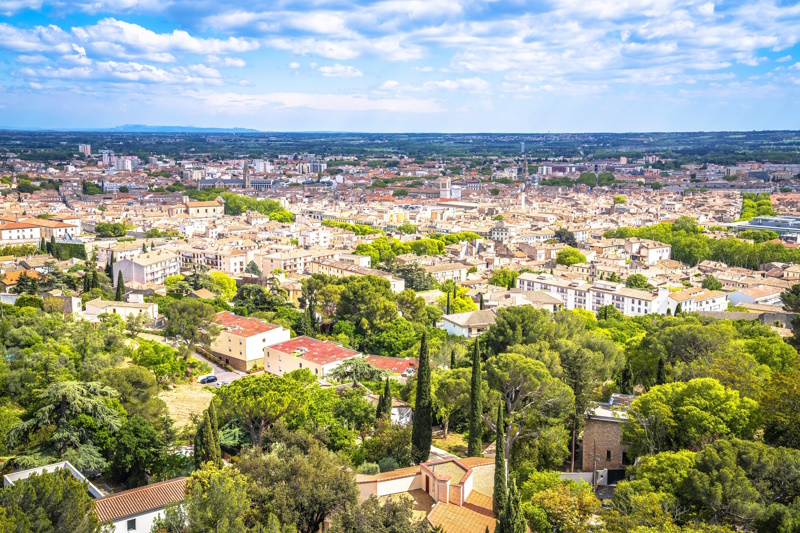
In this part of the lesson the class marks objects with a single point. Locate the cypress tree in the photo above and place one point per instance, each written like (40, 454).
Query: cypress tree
(95, 280)
(452, 359)
(379, 408)
(499, 493)
(481, 304)
(678, 309)
(52, 247)
(87, 283)
(511, 519)
(144, 247)
(448, 304)
(422, 430)
(474, 448)
(455, 295)
(214, 426)
(387, 401)
(43, 245)
(120, 287)
(661, 377)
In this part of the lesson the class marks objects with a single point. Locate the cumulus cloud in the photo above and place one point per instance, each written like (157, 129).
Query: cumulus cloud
(340, 71)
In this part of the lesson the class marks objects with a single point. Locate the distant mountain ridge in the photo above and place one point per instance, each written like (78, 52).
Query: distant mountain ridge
(144, 128)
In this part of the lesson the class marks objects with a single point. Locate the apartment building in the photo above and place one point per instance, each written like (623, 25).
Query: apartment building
(294, 261)
(441, 273)
(223, 258)
(205, 209)
(698, 299)
(341, 269)
(647, 251)
(20, 233)
(321, 357)
(242, 340)
(54, 229)
(151, 267)
(578, 294)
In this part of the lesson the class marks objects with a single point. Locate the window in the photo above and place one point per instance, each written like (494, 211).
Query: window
(608, 455)
(132, 524)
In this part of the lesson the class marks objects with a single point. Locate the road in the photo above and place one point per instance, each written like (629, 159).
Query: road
(221, 373)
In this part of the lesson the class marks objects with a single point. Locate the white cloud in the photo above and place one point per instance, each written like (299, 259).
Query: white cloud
(9, 7)
(226, 61)
(784, 59)
(294, 65)
(340, 71)
(31, 60)
(112, 71)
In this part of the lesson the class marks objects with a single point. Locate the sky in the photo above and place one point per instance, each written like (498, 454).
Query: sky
(402, 65)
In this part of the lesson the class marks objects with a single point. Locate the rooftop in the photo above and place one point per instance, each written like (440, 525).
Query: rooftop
(314, 351)
(149, 497)
(242, 326)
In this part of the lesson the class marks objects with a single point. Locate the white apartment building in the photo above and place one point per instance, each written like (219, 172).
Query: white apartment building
(20, 233)
(54, 228)
(315, 237)
(294, 261)
(152, 267)
(697, 299)
(441, 273)
(223, 258)
(578, 294)
(647, 251)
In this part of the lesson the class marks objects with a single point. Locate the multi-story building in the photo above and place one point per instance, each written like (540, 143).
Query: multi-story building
(242, 340)
(152, 267)
(320, 357)
(578, 294)
(342, 269)
(698, 299)
(441, 273)
(205, 209)
(54, 228)
(294, 261)
(19, 233)
(223, 258)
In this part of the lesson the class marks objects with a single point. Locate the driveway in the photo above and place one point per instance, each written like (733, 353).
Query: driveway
(221, 373)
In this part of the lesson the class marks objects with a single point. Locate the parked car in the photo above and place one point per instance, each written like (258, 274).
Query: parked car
(205, 380)
(221, 384)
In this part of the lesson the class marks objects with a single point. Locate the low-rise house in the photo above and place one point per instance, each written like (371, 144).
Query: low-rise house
(136, 509)
(123, 309)
(20, 233)
(469, 324)
(697, 299)
(321, 357)
(758, 294)
(242, 340)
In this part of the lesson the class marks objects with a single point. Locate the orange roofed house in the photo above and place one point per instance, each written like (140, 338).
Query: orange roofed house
(454, 493)
(242, 340)
(321, 357)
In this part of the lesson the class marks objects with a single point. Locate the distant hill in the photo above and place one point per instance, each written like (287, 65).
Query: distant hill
(144, 128)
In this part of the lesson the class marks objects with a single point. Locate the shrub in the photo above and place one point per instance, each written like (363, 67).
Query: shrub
(369, 469)
(387, 464)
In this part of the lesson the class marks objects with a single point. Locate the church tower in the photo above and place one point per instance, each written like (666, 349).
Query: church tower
(246, 173)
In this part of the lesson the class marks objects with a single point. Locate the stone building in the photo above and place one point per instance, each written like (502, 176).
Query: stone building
(602, 434)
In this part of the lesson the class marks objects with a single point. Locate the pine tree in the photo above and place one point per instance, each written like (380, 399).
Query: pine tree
(387, 401)
(448, 304)
(481, 304)
(474, 447)
(422, 429)
(120, 287)
(499, 493)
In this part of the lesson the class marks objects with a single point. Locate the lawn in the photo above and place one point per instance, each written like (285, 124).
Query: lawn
(185, 400)
(455, 442)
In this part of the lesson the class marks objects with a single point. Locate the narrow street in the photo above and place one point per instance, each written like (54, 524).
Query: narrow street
(221, 373)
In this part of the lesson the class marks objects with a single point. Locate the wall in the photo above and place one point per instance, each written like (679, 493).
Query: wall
(144, 522)
(605, 436)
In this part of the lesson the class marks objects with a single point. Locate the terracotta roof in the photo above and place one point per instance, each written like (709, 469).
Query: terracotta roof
(12, 278)
(473, 462)
(131, 502)
(392, 364)
(242, 326)
(394, 474)
(314, 351)
(474, 517)
(17, 225)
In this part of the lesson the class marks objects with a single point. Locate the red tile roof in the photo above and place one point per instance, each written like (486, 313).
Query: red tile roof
(474, 517)
(240, 326)
(392, 364)
(314, 351)
(131, 502)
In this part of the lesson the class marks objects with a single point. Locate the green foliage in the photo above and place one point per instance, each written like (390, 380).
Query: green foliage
(570, 256)
(421, 433)
(638, 281)
(504, 277)
(358, 229)
(236, 204)
(711, 283)
(474, 448)
(191, 321)
(163, 361)
(499, 491)
(137, 450)
(216, 500)
(111, 229)
(619, 200)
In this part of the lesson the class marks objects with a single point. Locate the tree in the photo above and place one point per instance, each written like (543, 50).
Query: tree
(191, 321)
(569, 256)
(678, 308)
(50, 501)
(712, 284)
(450, 393)
(474, 446)
(533, 398)
(138, 449)
(306, 486)
(223, 285)
(566, 236)
(120, 288)
(563, 506)
(780, 403)
(422, 429)
(791, 298)
(260, 400)
(138, 391)
(500, 465)
(26, 285)
(356, 369)
(495, 191)
(619, 199)
(135, 323)
(638, 281)
(687, 415)
(386, 406)
(80, 414)
(504, 277)
(216, 500)
(206, 442)
(252, 268)
(511, 519)
(374, 516)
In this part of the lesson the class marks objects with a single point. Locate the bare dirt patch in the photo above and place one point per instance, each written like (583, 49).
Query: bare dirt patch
(186, 400)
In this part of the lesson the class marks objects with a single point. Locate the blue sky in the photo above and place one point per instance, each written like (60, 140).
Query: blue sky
(402, 65)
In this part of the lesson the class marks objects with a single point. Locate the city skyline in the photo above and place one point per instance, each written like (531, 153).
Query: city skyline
(444, 66)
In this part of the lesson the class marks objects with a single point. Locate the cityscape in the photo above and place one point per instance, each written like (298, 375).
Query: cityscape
(399, 267)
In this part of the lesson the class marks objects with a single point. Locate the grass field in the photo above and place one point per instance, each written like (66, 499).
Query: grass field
(185, 400)
(455, 443)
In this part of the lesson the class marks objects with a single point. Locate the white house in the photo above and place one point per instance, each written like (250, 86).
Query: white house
(698, 299)
(759, 294)
(123, 309)
(242, 340)
(469, 324)
(13, 478)
(135, 510)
